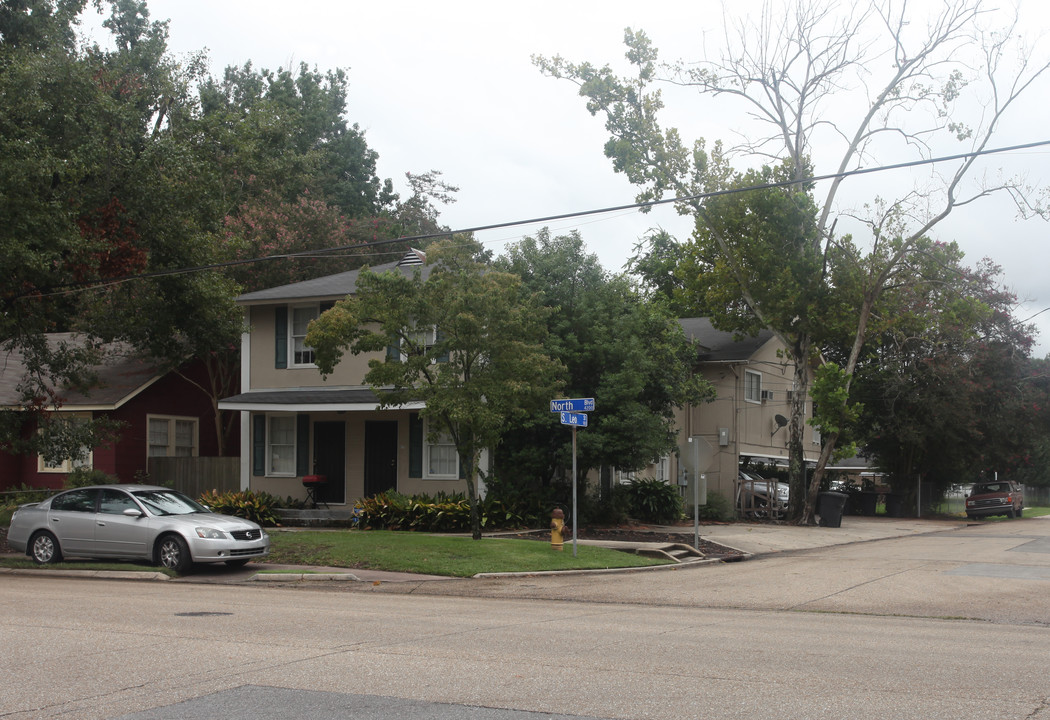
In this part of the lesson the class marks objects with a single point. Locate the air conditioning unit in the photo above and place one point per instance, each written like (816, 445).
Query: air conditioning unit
(767, 394)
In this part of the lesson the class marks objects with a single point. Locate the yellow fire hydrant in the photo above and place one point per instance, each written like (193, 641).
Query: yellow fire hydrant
(558, 529)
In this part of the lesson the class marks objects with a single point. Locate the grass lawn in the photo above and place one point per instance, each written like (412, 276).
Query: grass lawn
(437, 554)
(400, 552)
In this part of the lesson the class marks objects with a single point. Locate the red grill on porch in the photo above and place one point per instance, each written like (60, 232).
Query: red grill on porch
(315, 485)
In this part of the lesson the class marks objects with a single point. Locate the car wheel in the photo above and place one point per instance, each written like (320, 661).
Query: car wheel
(173, 553)
(237, 563)
(44, 548)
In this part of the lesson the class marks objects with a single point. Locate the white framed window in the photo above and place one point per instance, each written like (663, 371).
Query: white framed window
(280, 445)
(299, 319)
(171, 436)
(440, 459)
(752, 386)
(422, 340)
(84, 460)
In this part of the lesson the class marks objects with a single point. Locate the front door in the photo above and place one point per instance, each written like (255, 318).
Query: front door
(330, 460)
(380, 457)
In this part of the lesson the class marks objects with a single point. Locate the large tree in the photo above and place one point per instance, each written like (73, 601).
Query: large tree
(97, 186)
(819, 80)
(946, 386)
(629, 354)
(467, 341)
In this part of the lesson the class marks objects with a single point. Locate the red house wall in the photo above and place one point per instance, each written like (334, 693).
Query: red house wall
(172, 395)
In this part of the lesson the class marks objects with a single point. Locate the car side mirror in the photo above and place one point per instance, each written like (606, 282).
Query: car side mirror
(133, 512)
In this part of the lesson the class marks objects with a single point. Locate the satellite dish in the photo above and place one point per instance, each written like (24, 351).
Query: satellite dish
(780, 420)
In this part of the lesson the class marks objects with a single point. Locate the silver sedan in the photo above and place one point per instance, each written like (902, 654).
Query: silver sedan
(134, 522)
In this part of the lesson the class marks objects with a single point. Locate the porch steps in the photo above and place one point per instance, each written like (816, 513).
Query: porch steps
(679, 552)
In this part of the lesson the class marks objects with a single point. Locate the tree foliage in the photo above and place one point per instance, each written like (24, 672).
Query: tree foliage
(122, 162)
(792, 68)
(467, 340)
(630, 355)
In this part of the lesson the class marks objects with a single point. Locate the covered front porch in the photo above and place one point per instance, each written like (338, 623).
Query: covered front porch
(343, 436)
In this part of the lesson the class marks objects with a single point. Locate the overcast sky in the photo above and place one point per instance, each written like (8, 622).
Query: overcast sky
(450, 86)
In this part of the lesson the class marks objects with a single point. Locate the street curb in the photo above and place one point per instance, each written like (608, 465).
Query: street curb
(300, 577)
(96, 574)
(607, 571)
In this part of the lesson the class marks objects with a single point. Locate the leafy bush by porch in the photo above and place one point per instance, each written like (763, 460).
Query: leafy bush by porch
(442, 513)
(655, 501)
(260, 507)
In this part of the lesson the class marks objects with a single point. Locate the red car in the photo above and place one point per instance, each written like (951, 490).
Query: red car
(1000, 497)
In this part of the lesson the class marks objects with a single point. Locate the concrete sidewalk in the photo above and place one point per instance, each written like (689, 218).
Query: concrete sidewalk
(763, 538)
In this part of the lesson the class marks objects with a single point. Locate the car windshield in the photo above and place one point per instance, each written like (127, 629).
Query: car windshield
(990, 488)
(168, 502)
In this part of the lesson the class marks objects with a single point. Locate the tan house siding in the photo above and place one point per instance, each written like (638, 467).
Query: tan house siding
(349, 372)
(733, 427)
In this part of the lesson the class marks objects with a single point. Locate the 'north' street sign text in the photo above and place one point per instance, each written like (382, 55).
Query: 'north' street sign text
(573, 405)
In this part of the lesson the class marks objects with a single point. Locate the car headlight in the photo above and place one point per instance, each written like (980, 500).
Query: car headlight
(210, 533)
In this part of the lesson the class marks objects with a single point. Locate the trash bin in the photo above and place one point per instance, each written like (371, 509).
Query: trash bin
(895, 505)
(829, 507)
(868, 502)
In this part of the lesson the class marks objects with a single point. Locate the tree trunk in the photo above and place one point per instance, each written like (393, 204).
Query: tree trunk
(797, 431)
(471, 472)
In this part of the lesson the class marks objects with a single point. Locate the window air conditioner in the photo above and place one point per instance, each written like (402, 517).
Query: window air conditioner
(767, 394)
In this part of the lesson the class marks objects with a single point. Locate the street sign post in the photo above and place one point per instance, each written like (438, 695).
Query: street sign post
(572, 412)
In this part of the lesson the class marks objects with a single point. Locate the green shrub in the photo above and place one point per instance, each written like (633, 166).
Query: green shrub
(260, 507)
(441, 513)
(654, 501)
(613, 509)
(25, 494)
(83, 477)
(717, 509)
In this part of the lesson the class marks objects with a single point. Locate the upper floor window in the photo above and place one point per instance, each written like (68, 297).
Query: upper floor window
(172, 436)
(301, 317)
(752, 386)
(422, 341)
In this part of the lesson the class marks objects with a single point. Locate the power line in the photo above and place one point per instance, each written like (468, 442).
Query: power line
(324, 252)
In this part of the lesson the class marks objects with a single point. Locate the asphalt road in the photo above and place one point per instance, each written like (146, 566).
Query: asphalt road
(946, 625)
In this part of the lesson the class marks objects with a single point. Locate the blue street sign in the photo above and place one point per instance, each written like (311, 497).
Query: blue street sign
(574, 405)
(574, 418)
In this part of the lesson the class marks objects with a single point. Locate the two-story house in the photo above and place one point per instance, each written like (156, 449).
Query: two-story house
(296, 424)
(748, 419)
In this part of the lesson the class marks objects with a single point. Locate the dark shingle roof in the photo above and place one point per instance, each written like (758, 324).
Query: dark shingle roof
(720, 346)
(329, 287)
(122, 374)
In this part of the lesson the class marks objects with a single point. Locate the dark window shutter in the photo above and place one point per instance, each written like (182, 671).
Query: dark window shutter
(280, 336)
(258, 445)
(393, 353)
(325, 306)
(415, 446)
(302, 444)
(438, 338)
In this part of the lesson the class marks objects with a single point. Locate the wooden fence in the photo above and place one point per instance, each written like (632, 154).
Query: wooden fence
(195, 475)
